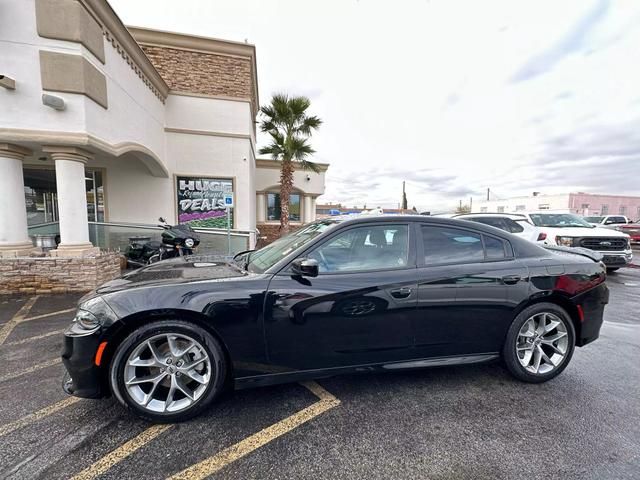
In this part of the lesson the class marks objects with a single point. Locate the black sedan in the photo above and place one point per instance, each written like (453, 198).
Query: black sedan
(338, 296)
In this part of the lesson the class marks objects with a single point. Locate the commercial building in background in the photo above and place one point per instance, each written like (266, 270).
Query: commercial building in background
(102, 123)
(575, 202)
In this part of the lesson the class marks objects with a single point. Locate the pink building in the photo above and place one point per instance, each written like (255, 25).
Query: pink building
(596, 204)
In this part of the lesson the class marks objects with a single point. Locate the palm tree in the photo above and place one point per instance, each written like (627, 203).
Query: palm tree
(285, 119)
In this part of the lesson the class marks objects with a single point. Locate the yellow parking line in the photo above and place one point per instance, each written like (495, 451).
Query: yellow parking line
(34, 338)
(8, 327)
(120, 453)
(40, 366)
(32, 417)
(230, 454)
(50, 314)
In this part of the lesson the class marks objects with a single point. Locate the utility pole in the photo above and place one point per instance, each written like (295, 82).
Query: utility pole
(488, 194)
(470, 204)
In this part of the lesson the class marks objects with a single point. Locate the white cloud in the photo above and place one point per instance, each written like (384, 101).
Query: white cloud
(451, 96)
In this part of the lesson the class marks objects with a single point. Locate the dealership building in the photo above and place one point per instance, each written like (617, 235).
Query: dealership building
(106, 126)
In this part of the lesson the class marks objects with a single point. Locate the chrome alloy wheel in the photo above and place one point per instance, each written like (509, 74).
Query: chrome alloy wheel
(167, 372)
(542, 343)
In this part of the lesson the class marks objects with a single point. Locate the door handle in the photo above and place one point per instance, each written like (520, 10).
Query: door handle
(511, 279)
(402, 292)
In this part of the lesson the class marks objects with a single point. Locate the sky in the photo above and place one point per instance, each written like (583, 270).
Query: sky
(453, 97)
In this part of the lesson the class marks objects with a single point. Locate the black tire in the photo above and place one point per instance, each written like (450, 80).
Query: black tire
(611, 270)
(510, 355)
(205, 339)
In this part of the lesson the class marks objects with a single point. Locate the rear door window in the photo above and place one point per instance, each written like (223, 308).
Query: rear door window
(444, 245)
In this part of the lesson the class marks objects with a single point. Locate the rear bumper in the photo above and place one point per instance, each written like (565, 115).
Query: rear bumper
(83, 378)
(592, 304)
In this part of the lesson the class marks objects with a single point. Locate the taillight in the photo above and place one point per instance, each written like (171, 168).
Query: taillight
(573, 284)
(542, 236)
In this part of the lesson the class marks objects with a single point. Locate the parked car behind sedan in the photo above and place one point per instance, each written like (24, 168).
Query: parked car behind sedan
(608, 221)
(513, 223)
(375, 293)
(631, 229)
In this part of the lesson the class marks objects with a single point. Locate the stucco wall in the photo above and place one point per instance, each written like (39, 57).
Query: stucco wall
(613, 202)
(269, 177)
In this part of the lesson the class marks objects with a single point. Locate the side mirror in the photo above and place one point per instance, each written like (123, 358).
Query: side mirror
(160, 219)
(305, 267)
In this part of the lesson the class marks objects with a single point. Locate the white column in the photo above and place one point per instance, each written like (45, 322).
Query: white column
(306, 209)
(72, 201)
(261, 207)
(14, 236)
(312, 216)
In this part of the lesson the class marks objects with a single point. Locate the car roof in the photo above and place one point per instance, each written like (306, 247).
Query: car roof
(512, 216)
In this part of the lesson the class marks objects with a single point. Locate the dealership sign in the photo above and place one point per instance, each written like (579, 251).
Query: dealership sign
(201, 201)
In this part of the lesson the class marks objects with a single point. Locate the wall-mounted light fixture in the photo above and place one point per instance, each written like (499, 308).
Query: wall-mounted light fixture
(308, 178)
(7, 82)
(52, 101)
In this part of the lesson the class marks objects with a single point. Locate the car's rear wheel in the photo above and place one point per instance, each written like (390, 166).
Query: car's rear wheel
(168, 371)
(539, 343)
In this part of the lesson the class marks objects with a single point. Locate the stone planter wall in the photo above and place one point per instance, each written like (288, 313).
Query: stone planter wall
(35, 275)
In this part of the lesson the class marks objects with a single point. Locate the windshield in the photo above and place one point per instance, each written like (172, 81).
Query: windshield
(558, 220)
(266, 257)
(594, 219)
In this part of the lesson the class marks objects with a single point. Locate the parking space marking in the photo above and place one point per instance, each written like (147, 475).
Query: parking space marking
(34, 338)
(8, 327)
(120, 453)
(35, 416)
(50, 314)
(230, 454)
(40, 366)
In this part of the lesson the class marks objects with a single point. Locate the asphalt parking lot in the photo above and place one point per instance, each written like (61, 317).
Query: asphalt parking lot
(455, 422)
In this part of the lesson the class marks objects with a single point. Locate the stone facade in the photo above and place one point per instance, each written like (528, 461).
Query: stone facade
(203, 73)
(41, 275)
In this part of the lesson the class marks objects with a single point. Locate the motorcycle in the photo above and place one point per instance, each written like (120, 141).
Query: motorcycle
(177, 241)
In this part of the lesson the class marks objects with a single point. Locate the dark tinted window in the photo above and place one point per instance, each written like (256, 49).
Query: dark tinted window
(494, 247)
(364, 248)
(513, 226)
(493, 221)
(450, 245)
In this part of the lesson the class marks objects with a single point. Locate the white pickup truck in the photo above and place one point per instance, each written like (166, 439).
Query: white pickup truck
(608, 221)
(571, 230)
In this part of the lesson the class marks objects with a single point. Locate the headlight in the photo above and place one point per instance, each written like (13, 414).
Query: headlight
(86, 320)
(189, 243)
(564, 241)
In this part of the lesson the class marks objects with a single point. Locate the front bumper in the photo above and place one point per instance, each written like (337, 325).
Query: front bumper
(617, 258)
(84, 378)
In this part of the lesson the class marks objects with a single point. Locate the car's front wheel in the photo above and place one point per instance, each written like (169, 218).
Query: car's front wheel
(168, 371)
(539, 343)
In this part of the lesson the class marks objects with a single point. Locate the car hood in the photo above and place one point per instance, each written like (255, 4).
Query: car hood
(583, 232)
(174, 271)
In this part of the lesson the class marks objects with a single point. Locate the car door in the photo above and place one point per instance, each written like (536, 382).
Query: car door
(358, 309)
(468, 286)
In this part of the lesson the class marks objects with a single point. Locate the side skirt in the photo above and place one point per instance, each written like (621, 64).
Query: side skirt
(271, 378)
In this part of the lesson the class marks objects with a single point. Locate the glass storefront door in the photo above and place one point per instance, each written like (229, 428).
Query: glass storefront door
(41, 196)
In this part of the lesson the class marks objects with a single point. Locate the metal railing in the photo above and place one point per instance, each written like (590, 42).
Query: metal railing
(115, 236)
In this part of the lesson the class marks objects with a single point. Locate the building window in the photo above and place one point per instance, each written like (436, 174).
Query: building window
(273, 207)
(543, 206)
(623, 210)
(500, 209)
(585, 206)
(521, 208)
(484, 209)
(604, 210)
